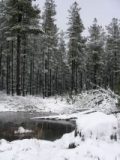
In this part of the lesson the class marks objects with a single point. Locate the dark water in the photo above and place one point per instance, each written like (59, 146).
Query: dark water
(41, 128)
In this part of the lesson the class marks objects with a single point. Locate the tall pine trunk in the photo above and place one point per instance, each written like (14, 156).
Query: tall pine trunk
(18, 87)
(1, 67)
(56, 81)
(44, 76)
(72, 77)
(0, 59)
(24, 68)
(50, 83)
(8, 70)
(95, 77)
(12, 69)
(76, 79)
(31, 78)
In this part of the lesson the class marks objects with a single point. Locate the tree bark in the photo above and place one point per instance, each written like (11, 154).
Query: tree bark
(18, 89)
(1, 67)
(8, 71)
(24, 67)
(12, 87)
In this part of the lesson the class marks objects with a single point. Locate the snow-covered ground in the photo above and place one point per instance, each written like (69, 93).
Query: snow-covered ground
(100, 100)
(33, 104)
(43, 150)
(97, 135)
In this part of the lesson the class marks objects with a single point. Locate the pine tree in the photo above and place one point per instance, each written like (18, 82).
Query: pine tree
(20, 14)
(95, 58)
(75, 46)
(50, 46)
(63, 69)
(2, 43)
(113, 55)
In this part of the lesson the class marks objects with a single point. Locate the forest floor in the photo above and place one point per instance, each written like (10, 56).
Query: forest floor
(97, 135)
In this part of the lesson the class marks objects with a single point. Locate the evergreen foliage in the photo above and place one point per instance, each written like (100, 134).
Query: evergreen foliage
(113, 55)
(95, 59)
(75, 47)
(38, 59)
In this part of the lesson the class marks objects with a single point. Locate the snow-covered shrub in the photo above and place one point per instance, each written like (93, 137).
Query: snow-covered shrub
(97, 126)
(99, 99)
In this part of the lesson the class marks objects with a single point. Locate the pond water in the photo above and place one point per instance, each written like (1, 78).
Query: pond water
(41, 128)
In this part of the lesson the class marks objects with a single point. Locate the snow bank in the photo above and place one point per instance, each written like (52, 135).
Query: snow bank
(97, 126)
(118, 118)
(42, 150)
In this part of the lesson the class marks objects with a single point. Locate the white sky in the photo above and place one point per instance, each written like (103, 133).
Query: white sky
(103, 10)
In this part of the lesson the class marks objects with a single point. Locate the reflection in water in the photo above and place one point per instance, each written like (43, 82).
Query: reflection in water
(41, 129)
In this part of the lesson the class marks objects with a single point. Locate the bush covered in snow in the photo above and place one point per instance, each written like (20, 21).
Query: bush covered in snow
(99, 99)
(97, 126)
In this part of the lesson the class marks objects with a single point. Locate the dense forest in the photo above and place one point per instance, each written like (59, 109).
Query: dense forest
(38, 58)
